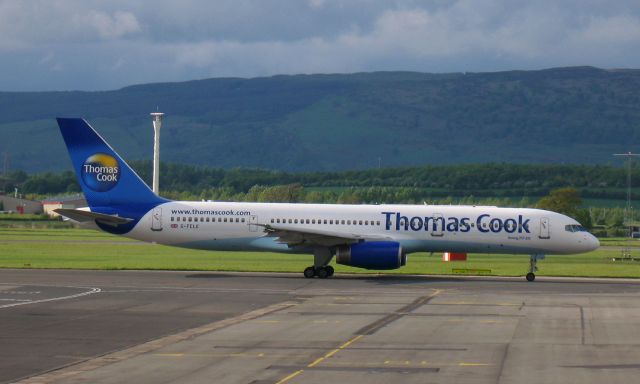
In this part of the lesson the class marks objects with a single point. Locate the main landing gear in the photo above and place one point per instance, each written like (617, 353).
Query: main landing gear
(321, 258)
(533, 266)
(321, 272)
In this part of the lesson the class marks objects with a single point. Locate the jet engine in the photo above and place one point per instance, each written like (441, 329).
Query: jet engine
(372, 255)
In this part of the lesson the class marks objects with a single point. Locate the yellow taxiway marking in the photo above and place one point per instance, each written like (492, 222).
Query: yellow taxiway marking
(392, 363)
(476, 303)
(262, 354)
(320, 359)
(399, 363)
(291, 376)
(331, 353)
(343, 346)
(474, 321)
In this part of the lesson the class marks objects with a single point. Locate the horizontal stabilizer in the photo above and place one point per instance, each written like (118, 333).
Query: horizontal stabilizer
(84, 216)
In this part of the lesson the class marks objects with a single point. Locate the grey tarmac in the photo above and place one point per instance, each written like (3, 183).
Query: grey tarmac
(200, 327)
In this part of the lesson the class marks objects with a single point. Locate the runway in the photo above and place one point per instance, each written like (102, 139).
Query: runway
(195, 327)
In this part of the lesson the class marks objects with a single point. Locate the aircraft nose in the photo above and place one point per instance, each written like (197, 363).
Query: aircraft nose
(591, 243)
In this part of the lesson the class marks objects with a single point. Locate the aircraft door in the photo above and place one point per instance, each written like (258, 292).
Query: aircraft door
(544, 228)
(437, 226)
(156, 219)
(253, 220)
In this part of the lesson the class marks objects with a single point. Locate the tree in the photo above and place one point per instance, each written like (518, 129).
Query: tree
(564, 200)
(584, 217)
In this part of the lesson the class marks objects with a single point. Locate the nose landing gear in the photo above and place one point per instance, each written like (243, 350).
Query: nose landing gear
(533, 266)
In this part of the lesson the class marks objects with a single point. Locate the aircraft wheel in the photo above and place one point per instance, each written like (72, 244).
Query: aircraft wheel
(531, 276)
(322, 272)
(309, 272)
(329, 270)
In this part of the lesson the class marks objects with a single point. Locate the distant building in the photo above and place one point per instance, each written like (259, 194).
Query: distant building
(67, 202)
(16, 205)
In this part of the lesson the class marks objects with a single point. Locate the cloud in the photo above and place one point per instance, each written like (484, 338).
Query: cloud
(98, 45)
(111, 26)
(25, 24)
(620, 29)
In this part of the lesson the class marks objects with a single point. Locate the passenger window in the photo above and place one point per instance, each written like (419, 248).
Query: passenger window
(172, 219)
(225, 219)
(325, 221)
(378, 222)
(207, 219)
(330, 221)
(307, 221)
(242, 220)
(313, 221)
(295, 221)
(342, 221)
(360, 222)
(190, 218)
(289, 221)
(237, 219)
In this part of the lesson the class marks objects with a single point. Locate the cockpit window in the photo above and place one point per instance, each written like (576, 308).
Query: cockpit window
(575, 228)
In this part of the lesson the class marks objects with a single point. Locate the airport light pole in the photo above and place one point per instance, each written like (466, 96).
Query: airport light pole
(628, 214)
(157, 123)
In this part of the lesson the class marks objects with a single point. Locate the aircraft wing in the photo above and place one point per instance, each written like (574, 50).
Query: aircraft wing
(84, 216)
(296, 236)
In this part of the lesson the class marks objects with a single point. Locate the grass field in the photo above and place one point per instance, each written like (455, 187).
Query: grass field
(86, 249)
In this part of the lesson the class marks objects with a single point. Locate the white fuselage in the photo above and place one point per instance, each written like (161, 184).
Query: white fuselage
(418, 228)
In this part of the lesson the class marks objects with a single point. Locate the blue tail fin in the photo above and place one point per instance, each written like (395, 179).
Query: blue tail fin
(109, 184)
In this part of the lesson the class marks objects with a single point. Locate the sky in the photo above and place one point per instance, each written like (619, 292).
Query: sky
(104, 45)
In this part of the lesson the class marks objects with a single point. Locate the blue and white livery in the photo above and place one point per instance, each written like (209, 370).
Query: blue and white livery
(366, 236)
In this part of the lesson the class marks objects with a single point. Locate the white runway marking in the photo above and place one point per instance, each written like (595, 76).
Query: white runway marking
(90, 292)
(15, 300)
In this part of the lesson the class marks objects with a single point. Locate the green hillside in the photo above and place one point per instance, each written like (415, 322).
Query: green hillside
(335, 122)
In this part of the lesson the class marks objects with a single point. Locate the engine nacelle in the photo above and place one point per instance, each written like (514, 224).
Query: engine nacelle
(372, 255)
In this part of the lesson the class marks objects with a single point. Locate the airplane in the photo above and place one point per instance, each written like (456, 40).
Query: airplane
(374, 237)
